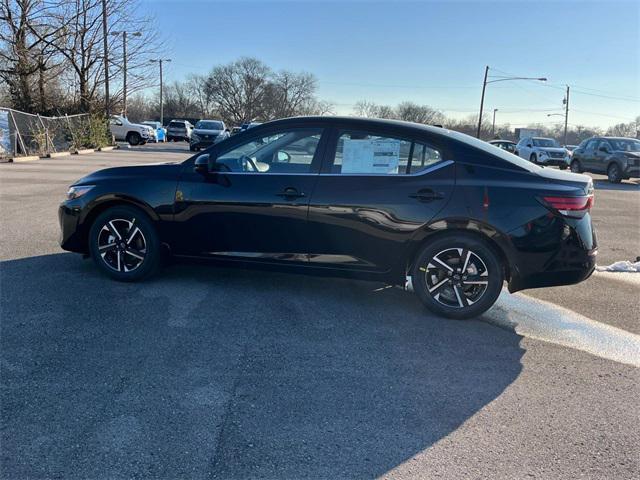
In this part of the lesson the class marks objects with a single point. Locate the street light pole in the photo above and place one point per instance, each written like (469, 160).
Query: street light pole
(566, 115)
(159, 61)
(106, 57)
(493, 125)
(484, 87)
(497, 79)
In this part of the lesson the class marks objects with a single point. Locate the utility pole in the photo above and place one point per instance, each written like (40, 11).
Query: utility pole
(493, 125)
(159, 61)
(124, 67)
(106, 57)
(484, 87)
(566, 115)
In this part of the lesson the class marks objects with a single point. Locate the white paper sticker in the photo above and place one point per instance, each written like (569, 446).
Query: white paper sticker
(370, 156)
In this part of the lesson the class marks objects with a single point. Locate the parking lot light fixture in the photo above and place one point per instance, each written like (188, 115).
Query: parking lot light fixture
(494, 79)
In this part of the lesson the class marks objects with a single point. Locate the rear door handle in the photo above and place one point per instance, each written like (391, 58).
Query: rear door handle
(290, 193)
(427, 195)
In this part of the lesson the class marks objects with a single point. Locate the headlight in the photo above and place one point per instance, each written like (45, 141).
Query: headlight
(77, 191)
(544, 154)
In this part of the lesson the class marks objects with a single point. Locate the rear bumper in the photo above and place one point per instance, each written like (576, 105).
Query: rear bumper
(552, 251)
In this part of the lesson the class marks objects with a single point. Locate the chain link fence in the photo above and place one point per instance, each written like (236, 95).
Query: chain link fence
(24, 134)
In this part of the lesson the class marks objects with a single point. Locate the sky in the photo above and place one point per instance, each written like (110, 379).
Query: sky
(429, 52)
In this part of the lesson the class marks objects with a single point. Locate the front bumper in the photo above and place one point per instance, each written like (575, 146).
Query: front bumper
(632, 171)
(557, 162)
(71, 237)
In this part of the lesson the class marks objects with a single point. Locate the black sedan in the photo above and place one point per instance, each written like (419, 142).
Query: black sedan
(437, 211)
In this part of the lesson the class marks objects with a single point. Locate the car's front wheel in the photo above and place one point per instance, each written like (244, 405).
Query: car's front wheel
(533, 158)
(576, 167)
(614, 174)
(134, 138)
(124, 244)
(458, 276)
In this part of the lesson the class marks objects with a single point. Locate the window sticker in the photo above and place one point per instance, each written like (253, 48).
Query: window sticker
(371, 156)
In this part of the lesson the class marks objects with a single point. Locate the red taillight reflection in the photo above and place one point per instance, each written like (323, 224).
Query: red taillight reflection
(570, 205)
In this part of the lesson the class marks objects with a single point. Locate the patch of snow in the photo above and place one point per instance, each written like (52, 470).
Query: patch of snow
(622, 266)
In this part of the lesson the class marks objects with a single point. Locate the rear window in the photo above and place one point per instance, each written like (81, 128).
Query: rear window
(496, 152)
(177, 124)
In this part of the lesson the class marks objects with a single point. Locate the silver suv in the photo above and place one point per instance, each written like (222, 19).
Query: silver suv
(179, 130)
(543, 151)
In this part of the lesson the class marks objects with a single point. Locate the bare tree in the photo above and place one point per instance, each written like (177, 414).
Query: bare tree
(631, 129)
(412, 112)
(28, 64)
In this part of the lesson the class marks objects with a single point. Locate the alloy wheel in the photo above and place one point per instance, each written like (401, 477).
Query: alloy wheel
(122, 245)
(456, 277)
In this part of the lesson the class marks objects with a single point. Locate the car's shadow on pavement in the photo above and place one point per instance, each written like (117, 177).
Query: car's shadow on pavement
(625, 185)
(206, 371)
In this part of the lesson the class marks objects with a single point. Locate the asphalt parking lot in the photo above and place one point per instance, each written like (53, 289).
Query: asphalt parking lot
(226, 373)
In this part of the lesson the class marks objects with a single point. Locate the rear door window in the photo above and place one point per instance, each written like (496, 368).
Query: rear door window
(368, 153)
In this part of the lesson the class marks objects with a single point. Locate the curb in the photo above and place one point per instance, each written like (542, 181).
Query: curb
(84, 151)
(106, 149)
(29, 158)
(58, 154)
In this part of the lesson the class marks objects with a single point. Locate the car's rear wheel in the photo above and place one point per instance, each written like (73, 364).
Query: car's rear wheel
(576, 167)
(134, 138)
(458, 276)
(614, 174)
(124, 244)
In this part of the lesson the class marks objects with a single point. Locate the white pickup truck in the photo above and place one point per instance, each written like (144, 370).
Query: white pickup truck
(134, 133)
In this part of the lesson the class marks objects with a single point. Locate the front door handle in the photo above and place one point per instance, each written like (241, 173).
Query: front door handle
(290, 193)
(427, 195)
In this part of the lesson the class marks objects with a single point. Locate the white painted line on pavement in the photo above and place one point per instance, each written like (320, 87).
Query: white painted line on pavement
(627, 277)
(551, 323)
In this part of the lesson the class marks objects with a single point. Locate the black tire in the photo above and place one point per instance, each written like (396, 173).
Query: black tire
(533, 158)
(563, 167)
(192, 149)
(133, 256)
(614, 174)
(576, 167)
(134, 138)
(436, 287)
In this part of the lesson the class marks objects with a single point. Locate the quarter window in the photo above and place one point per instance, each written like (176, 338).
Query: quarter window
(370, 154)
(282, 152)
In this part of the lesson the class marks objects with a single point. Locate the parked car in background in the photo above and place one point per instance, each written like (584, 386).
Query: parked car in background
(440, 212)
(507, 145)
(543, 151)
(161, 132)
(178, 130)
(206, 133)
(248, 125)
(617, 157)
(133, 133)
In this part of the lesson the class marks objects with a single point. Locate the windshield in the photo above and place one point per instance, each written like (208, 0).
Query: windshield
(625, 145)
(545, 142)
(209, 125)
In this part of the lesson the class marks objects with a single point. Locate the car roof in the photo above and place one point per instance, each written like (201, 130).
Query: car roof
(358, 122)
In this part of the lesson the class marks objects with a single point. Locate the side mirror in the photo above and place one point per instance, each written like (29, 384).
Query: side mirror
(604, 149)
(282, 157)
(201, 165)
(529, 145)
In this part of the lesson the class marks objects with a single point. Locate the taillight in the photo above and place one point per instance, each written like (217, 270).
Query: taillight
(575, 207)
